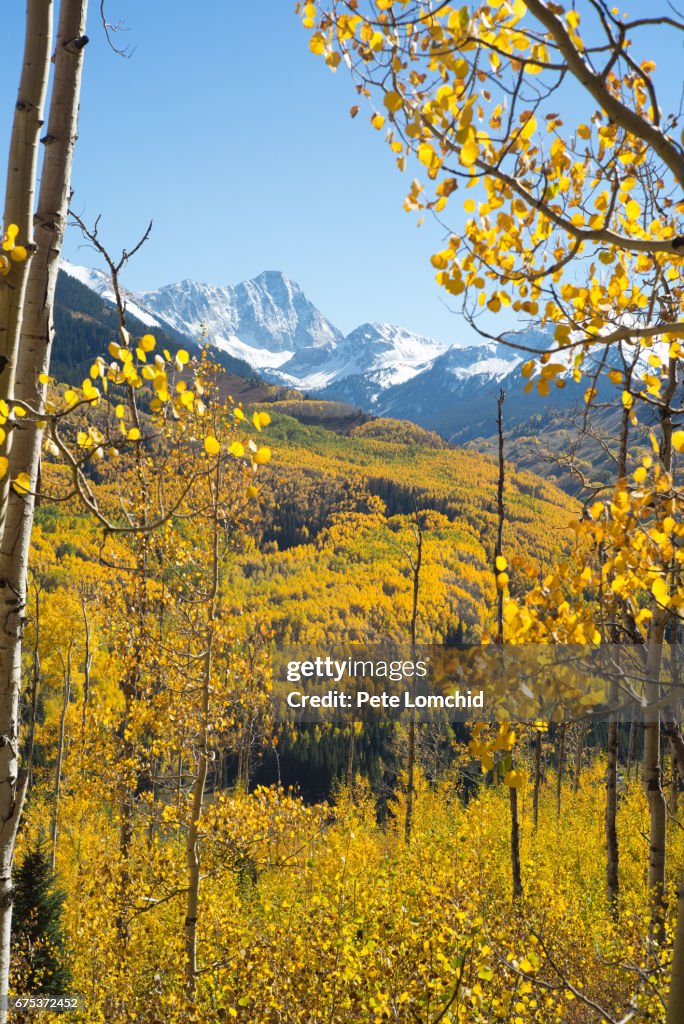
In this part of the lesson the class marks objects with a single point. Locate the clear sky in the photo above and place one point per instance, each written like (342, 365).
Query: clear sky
(226, 131)
(236, 140)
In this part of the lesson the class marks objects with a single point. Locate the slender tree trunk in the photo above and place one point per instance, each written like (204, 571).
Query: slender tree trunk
(559, 777)
(192, 852)
(515, 844)
(192, 843)
(612, 853)
(630, 748)
(22, 168)
(35, 684)
(498, 551)
(537, 779)
(87, 666)
(66, 693)
(652, 747)
(18, 209)
(410, 772)
(350, 760)
(653, 774)
(416, 564)
(674, 787)
(578, 759)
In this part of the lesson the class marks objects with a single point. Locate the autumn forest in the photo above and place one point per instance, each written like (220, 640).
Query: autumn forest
(174, 846)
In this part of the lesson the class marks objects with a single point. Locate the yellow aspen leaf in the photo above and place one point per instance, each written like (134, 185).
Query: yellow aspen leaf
(262, 456)
(470, 152)
(392, 101)
(317, 44)
(627, 400)
(147, 342)
(22, 483)
(238, 414)
(678, 440)
(659, 590)
(4, 466)
(19, 254)
(10, 237)
(133, 434)
(640, 475)
(632, 209)
(377, 120)
(261, 419)
(426, 154)
(529, 128)
(237, 449)
(252, 491)
(501, 563)
(211, 446)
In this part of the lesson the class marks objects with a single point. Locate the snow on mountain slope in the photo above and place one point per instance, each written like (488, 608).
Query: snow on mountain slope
(101, 283)
(271, 324)
(269, 313)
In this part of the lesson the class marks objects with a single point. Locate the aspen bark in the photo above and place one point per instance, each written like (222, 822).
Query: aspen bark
(22, 167)
(66, 694)
(578, 759)
(559, 777)
(350, 759)
(652, 746)
(612, 853)
(630, 749)
(416, 564)
(515, 844)
(501, 514)
(192, 842)
(18, 209)
(537, 779)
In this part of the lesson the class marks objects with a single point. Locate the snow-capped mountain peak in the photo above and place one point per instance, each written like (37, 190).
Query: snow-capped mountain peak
(270, 323)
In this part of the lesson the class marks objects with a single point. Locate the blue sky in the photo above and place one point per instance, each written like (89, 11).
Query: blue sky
(226, 131)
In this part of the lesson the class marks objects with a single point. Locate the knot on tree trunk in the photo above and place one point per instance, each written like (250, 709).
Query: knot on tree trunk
(76, 44)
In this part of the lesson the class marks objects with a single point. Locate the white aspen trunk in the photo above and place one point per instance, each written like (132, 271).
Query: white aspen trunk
(192, 853)
(192, 848)
(29, 318)
(22, 167)
(612, 849)
(18, 209)
(66, 695)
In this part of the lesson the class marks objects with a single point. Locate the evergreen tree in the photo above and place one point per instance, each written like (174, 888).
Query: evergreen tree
(37, 926)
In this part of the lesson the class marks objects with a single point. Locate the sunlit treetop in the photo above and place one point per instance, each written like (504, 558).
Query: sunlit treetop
(550, 119)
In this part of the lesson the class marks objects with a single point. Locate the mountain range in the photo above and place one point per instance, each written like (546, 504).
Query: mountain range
(267, 326)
